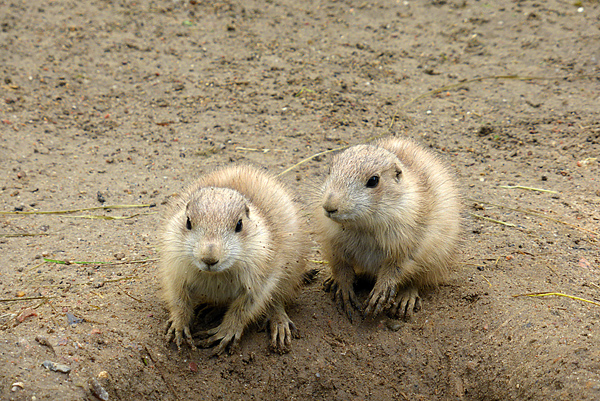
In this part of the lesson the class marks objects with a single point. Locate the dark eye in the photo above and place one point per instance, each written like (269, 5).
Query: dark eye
(188, 224)
(373, 181)
(238, 226)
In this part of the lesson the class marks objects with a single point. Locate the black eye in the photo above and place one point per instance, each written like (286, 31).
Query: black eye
(238, 226)
(373, 181)
(188, 224)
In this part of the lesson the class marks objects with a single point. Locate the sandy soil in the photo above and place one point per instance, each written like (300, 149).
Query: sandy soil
(127, 102)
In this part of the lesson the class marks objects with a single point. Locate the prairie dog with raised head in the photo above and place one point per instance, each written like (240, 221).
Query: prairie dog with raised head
(391, 211)
(233, 239)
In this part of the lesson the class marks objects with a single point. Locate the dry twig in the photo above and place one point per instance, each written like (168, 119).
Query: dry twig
(493, 220)
(538, 215)
(528, 188)
(558, 294)
(68, 211)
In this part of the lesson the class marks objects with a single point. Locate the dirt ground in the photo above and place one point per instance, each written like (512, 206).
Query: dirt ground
(125, 102)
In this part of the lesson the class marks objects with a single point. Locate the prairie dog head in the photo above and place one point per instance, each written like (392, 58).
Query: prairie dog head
(360, 183)
(217, 228)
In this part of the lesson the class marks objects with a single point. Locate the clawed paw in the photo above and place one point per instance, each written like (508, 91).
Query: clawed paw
(380, 299)
(344, 297)
(226, 339)
(406, 303)
(178, 334)
(282, 333)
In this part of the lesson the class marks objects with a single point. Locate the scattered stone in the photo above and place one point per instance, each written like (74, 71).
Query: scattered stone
(100, 197)
(97, 390)
(44, 341)
(471, 365)
(56, 367)
(103, 375)
(72, 319)
(25, 314)
(478, 206)
(393, 324)
(17, 385)
(485, 130)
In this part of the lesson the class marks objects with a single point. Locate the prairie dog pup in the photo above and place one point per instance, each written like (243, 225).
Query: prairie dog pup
(232, 239)
(390, 211)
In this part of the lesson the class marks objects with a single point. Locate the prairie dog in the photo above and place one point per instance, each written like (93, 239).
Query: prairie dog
(390, 211)
(232, 239)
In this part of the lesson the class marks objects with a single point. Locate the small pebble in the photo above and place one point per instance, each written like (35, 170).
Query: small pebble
(56, 367)
(16, 386)
(97, 390)
(471, 365)
(44, 341)
(29, 312)
(393, 324)
(72, 319)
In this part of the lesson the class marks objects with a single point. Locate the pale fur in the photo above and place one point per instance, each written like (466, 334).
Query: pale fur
(259, 269)
(403, 233)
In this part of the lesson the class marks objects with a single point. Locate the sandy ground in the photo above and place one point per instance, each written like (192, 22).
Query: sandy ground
(127, 102)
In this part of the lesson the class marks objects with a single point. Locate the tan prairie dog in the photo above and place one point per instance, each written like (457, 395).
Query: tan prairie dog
(390, 211)
(232, 239)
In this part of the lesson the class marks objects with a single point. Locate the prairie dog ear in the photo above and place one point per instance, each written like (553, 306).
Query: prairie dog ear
(247, 211)
(398, 171)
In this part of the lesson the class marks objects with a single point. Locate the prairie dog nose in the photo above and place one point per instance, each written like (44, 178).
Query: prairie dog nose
(210, 260)
(330, 205)
(329, 209)
(209, 253)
